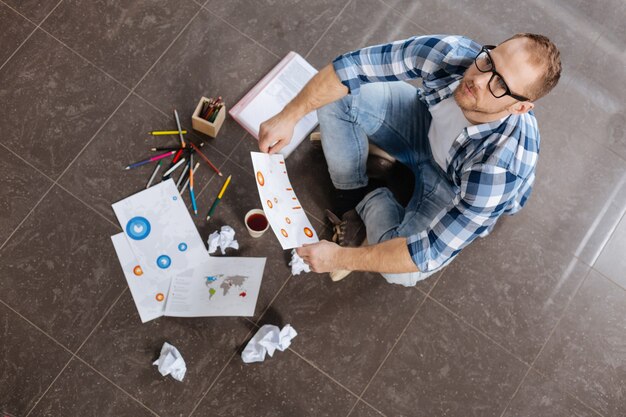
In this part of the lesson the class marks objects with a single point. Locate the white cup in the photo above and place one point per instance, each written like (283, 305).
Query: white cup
(257, 213)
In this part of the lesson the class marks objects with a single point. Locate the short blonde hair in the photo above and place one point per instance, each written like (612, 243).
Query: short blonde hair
(544, 53)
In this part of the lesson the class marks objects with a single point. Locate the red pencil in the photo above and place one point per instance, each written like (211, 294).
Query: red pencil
(206, 159)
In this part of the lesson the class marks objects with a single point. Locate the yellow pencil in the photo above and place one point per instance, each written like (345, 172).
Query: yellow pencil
(219, 197)
(165, 132)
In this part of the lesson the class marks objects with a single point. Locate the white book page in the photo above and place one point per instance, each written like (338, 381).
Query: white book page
(274, 97)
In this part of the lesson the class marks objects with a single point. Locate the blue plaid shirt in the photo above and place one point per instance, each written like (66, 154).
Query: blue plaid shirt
(492, 165)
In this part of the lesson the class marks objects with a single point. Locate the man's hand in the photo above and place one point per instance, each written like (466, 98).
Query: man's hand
(322, 256)
(276, 133)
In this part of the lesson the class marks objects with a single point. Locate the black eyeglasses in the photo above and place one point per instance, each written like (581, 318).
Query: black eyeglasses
(497, 86)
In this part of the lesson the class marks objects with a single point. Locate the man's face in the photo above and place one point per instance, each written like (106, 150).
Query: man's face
(511, 60)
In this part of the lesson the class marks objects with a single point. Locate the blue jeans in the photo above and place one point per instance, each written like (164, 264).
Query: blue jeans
(392, 117)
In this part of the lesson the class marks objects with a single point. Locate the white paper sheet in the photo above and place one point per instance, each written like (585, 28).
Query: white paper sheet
(148, 290)
(159, 230)
(221, 286)
(280, 204)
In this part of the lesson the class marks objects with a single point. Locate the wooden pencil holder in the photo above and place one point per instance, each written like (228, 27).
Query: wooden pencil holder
(205, 126)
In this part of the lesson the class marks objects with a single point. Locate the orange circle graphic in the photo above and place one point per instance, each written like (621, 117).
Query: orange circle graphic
(269, 204)
(137, 270)
(160, 297)
(287, 220)
(308, 232)
(260, 179)
(284, 232)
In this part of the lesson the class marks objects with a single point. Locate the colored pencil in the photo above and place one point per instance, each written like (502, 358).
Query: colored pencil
(182, 175)
(156, 169)
(147, 161)
(219, 197)
(166, 132)
(180, 131)
(172, 169)
(182, 190)
(206, 159)
(166, 148)
(193, 197)
(179, 153)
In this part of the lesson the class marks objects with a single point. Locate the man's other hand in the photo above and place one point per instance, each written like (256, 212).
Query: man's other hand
(275, 133)
(322, 256)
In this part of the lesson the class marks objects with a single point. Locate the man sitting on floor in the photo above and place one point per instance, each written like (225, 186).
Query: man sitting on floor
(468, 135)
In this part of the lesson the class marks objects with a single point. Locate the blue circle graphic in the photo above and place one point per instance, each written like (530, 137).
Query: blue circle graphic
(182, 246)
(164, 262)
(138, 228)
(174, 198)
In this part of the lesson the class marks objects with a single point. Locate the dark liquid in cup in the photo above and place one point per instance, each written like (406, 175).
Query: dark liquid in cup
(257, 222)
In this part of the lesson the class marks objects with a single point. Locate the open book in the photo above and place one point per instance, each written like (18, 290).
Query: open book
(272, 93)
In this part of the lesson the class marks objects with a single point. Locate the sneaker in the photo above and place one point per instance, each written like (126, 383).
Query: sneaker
(349, 231)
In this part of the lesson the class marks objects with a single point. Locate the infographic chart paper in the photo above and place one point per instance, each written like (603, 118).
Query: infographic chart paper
(220, 286)
(280, 204)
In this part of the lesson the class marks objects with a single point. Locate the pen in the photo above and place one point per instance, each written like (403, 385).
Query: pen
(219, 197)
(147, 161)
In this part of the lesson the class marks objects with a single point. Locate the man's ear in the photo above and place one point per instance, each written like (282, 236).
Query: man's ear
(521, 107)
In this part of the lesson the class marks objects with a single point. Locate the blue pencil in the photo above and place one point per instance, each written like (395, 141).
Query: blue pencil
(193, 198)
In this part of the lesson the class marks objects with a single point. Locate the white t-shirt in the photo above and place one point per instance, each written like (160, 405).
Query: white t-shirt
(447, 123)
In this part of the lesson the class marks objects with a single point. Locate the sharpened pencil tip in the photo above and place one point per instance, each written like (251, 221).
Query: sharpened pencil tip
(220, 174)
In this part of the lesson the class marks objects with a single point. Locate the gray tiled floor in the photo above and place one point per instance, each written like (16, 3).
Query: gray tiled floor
(527, 322)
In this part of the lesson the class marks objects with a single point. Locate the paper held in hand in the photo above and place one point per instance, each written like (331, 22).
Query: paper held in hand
(272, 93)
(280, 204)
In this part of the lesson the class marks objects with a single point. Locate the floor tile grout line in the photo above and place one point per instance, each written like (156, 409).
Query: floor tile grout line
(422, 28)
(115, 385)
(569, 393)
(395, 343)
(250, 332)
(20, 315)
(367, 404)
(130, 92)
(478, 330)
(49, 386)
(104, 316)
(512, 397)
(611, 280)
(26, 217)
(391, 349)
(66, 46)
(326, 374)
(37, 26)
(238, 30)
(116, 225)
(327, 29)
(545, 343)
(273, 299)
(73, 354)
